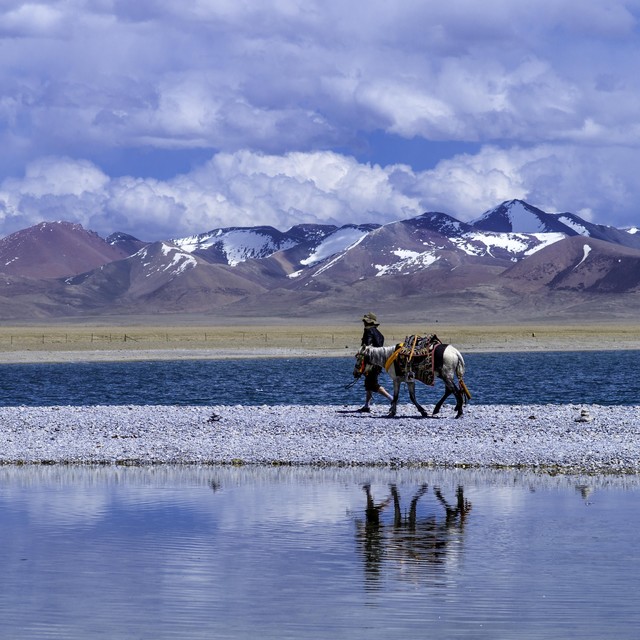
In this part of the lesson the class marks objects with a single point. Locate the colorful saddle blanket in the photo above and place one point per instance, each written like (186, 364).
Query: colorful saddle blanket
(415, 358)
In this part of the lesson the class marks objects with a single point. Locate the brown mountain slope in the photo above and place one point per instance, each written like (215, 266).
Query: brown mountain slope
(158, 279)
(577, 264)
(54, 250)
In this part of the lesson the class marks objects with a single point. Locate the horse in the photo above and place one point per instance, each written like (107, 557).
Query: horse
(452, 365)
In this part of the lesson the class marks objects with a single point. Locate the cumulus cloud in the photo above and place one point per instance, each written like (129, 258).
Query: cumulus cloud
(240, 189)
(283, 94)
(247, 189)
(596, 182)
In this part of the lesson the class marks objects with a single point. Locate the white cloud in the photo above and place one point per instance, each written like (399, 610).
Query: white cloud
(594, 182)
(248, 189)
(279, 75)
(241, 189)
(549, 88)
(30, 19)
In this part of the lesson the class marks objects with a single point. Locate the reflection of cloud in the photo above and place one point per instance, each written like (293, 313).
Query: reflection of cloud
(260, 495)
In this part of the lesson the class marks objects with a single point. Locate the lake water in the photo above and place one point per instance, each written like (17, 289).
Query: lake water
(591, 377)
(281, 552)
(232, 553)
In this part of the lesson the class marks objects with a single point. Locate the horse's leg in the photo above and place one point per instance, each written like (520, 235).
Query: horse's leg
(450, 387)
(447, 393)
(459, 401)
(411, 385)
(394, 400)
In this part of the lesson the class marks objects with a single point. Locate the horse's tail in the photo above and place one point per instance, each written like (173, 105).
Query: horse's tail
(460, 366)
(460, 369)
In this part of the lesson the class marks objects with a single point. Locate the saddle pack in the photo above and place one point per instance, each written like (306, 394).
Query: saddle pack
(414, 359)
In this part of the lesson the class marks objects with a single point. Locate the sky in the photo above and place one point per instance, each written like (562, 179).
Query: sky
(167, 118)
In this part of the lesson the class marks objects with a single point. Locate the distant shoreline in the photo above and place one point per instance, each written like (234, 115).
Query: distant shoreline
(93, 343)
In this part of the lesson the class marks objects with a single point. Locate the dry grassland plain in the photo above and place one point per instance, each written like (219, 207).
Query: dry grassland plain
(68, 343)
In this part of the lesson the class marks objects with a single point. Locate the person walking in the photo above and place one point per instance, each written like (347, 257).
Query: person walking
(371, 336)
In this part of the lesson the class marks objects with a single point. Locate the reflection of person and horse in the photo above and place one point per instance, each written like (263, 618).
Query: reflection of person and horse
(414, 540)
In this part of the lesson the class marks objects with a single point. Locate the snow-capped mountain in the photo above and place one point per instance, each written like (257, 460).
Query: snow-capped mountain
(159, 277)
(519, 217)
(235, 244)
(513, 260)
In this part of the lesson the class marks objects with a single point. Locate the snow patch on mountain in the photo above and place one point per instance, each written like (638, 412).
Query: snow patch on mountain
(523, 220)
(573, 224)
(545, 239)
(586, 251)
(410, 262)
(238, 245)
(178, 261)
(482, 243)
(335, 244)
(337, 257)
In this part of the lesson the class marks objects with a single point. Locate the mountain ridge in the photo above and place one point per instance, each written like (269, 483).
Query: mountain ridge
(512, 261)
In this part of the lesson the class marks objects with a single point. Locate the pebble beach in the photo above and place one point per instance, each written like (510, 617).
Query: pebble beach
(550, 438)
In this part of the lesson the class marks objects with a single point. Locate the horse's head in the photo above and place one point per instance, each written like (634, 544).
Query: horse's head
(361, 363)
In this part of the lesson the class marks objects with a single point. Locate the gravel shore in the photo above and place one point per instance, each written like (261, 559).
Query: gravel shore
(547, 437)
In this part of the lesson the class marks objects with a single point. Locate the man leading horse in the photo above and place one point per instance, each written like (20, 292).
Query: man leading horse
(371, 336)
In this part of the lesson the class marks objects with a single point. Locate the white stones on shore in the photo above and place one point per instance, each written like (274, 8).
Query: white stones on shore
(532, 436)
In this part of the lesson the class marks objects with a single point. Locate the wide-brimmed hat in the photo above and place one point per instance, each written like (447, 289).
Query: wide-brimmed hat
(370, 318)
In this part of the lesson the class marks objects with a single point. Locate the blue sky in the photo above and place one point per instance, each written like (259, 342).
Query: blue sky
(163, 118)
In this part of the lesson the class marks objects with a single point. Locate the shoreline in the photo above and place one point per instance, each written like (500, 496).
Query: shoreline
(541, 438)
(60, 344)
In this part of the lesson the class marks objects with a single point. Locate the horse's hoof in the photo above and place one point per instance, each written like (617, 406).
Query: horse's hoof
(459, 415)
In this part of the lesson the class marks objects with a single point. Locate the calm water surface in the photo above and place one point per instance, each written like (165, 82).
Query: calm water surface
(595, 377)
(166, 552)
(303, 553)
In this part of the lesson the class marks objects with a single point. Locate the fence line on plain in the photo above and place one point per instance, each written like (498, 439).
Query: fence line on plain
(96, 339)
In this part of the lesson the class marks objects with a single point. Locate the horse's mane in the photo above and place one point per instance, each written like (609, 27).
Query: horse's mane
(379, 355)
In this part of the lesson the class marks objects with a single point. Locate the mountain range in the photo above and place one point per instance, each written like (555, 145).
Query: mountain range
(514, 262)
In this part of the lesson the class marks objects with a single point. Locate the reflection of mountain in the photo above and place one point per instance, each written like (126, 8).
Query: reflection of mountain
(410, 541)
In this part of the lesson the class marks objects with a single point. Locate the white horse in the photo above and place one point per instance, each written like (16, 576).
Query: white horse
(452, 365)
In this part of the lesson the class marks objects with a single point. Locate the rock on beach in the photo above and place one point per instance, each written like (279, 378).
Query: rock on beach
(548, 437)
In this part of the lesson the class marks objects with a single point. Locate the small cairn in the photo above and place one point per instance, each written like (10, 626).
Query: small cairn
(584, 416)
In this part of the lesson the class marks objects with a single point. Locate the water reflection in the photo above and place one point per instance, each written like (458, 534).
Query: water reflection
(410, 542)
(226, 552)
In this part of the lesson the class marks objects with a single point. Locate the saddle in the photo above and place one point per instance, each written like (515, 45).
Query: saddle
(414, 359)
